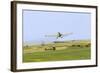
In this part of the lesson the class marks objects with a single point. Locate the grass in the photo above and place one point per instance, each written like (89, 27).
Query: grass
(70, 53)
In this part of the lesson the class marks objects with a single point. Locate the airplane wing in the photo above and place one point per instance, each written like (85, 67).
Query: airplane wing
(66, 34)
(50, 35)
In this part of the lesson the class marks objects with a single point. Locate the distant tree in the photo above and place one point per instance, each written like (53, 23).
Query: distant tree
(78, 45)
(54, 48)
(88, 45)
(27, 46)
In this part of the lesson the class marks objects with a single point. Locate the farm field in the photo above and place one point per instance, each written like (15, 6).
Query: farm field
(77, 50)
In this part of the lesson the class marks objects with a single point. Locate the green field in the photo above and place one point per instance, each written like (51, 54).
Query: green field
(64, 51)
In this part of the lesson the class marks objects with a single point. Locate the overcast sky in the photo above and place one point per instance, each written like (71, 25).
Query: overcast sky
(37, 24)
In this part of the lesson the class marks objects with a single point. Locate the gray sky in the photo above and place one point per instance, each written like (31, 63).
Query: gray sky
(37, 24)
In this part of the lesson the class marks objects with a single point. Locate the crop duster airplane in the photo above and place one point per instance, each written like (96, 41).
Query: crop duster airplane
(58, 35)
